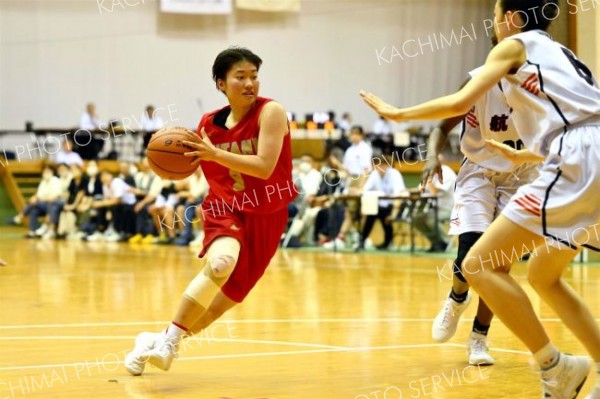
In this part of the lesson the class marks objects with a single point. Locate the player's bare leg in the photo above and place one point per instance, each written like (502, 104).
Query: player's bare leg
(561, 374)
(218, 264)
(217, 308)
(545, 271)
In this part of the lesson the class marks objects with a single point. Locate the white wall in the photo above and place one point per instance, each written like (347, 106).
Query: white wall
(56, 55)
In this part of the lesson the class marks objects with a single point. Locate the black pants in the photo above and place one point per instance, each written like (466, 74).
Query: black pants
(329, 222)
(123, 219)
(388, 229)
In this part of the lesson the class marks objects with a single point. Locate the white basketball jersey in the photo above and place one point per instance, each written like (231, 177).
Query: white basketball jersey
(550, 92)
(490, 118)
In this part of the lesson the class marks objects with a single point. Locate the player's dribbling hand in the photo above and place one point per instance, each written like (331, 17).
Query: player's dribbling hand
(205, 149)
(381, 107)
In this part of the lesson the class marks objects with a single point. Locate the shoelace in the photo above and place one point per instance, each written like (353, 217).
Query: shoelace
(448, 311)
(480, 346)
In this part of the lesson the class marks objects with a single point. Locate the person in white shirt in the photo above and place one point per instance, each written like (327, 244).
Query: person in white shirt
(387, 181)
(151, 122)
(67, 156)
(357, 158)
(311, 178)
(345, 123)
(356, 166)
(48, 191)
(194, 191)
(381, 127)
(89, 119)
(119, 199)
(425, 221)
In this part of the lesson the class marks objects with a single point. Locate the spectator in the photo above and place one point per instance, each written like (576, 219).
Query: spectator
(425, 221)
(345, 123)
(67, 156)
(89, 119)
(163, 213)
(67, 222)
(127, 171)
(387, 181)
(311, 178)
(381, 127)
(119, 200)
(47, 193)
(55, 207)
(328, 213)
(151, 122)
(190, 212)
(356, 166)
(92, 221)
(147, 187)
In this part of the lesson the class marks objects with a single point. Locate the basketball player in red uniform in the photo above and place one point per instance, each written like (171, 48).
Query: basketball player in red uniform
(245, 153)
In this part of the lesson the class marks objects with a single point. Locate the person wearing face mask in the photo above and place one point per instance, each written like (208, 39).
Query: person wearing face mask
(67, 222)
(55, 207)
(49, 190)
(91, 220)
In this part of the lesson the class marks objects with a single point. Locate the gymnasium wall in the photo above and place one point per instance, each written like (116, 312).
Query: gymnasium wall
(56, 55)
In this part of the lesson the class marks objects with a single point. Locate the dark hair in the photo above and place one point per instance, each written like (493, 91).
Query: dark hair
(230, 56)
(357, 129)
(536, 14)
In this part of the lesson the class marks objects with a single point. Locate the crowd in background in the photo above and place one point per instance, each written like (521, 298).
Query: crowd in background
(76, 200)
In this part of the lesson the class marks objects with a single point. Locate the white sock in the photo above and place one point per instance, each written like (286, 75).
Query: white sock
(547, 357)
(174, 333)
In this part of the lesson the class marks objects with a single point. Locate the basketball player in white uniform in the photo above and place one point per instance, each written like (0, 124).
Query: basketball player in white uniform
(556, 111)
(486, 181)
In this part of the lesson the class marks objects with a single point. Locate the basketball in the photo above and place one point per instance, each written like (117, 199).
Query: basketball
(165, 153)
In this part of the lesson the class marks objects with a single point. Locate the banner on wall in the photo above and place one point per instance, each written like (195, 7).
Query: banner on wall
(269, 5)
(196, 6)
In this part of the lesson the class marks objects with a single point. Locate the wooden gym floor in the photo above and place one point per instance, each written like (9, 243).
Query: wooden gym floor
(319, 325)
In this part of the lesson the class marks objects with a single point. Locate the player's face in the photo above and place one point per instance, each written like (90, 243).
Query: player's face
(241, 84)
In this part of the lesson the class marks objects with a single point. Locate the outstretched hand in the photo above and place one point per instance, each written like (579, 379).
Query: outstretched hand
(381, 107)
(204, 149)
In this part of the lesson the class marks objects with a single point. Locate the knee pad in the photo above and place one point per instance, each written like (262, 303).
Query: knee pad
(465, 242)
(219, 263)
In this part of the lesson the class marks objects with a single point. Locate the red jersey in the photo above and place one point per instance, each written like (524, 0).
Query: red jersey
(232, 191)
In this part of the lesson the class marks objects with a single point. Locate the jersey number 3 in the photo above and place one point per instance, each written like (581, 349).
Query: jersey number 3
(580, 67)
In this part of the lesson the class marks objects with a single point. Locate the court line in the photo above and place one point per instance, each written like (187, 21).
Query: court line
(207, 341)
(241, 355)
(242, 321)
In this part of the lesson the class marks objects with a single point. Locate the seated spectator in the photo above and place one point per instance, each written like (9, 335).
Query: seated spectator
(119, 200)
(67, 222)
(147, 187)
(425, 222)
(127, 171)
(40, 204)
(55, 207)
(329, 212)
(67, 156)
(345, 123)
(387, 181)
(92, 221)
(190, 212)
(163, 212)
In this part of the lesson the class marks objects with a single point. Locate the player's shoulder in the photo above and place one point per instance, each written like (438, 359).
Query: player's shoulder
(271, 109)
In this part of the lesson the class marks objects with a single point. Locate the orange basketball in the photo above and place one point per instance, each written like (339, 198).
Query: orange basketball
(165, 153)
